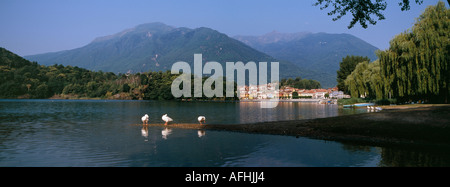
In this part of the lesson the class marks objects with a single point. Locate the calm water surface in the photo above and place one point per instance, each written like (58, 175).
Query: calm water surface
(109, 133)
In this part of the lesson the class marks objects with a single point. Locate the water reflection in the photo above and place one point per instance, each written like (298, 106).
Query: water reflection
(144, 132)
(166, 132)
(250, 112)
(201, 133)
(98, 133)
(271, 150)
(415, 157)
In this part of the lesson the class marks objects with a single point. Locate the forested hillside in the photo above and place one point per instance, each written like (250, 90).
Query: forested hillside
(156, 46)
(20, 78)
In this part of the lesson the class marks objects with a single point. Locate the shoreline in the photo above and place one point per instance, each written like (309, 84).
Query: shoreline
(124, 99)
(400, 125)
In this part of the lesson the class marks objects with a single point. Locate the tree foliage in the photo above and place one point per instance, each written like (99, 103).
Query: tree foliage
(363, 11)
(416, 65)
(346, 67)
(300, 83)
(365, 81)
(23, 79)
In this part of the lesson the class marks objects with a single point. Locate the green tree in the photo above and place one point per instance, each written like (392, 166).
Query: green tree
(73, 89)
(416, 65)
(346, 67)
(365, 81)
(301, 83)
(373, 76)
(91, 88)
(42, 91)
(126, 87)
(356, 81)
(362, 11)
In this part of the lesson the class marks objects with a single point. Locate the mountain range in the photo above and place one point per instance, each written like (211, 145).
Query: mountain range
(156, 46)
(319, 53)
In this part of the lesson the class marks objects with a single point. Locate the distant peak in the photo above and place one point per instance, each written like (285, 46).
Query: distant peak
(146, 28)
(153, 25)
(273, 32)
(273, 37)
(109, 37)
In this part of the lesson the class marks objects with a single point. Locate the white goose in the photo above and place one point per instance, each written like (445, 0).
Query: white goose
(144, 119)
(201, 119)
(166, 118)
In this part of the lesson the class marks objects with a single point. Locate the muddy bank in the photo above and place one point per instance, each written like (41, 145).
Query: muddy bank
(422, 125)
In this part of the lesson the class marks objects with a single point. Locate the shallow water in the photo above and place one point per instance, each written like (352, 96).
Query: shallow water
(109, 133)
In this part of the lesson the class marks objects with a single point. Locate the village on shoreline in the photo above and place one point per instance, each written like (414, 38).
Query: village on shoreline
(268, 91)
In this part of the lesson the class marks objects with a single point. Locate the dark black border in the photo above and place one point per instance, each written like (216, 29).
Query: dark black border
(273, 176)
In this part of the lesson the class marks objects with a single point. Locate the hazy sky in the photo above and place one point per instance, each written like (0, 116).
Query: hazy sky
(39, 26)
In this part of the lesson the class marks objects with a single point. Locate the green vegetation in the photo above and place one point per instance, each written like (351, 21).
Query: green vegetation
(415, 67)
(362, 11)
(300, 83)
(365, 80)
(156, 47)
(20, 78)
(346, 67)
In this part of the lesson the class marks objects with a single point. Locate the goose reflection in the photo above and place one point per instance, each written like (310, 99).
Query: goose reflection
(201, 133)
(166, 132)
(144, 132)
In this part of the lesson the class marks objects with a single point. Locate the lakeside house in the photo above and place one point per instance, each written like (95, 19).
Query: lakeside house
(338, 95)
(268, 91)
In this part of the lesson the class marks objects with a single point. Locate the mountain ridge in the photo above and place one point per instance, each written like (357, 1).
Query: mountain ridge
(314, 52)
(271, 37)
(147, 27)
(155, 47)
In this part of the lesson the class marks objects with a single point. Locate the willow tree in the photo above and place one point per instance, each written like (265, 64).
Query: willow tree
(376, 85)
(416, 65)
(346, 67)
(356, 83)
(366, 81)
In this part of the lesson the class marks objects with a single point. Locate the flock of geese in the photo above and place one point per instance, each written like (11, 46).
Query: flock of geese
(167, 119)
(167, 131)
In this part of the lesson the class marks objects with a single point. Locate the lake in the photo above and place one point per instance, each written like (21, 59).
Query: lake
(110, 133)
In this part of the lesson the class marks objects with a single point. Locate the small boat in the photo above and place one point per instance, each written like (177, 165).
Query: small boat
(359, 105)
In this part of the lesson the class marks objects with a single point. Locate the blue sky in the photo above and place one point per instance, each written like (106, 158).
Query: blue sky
(39, 26)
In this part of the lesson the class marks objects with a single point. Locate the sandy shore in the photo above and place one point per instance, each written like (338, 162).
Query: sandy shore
(402, 124)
